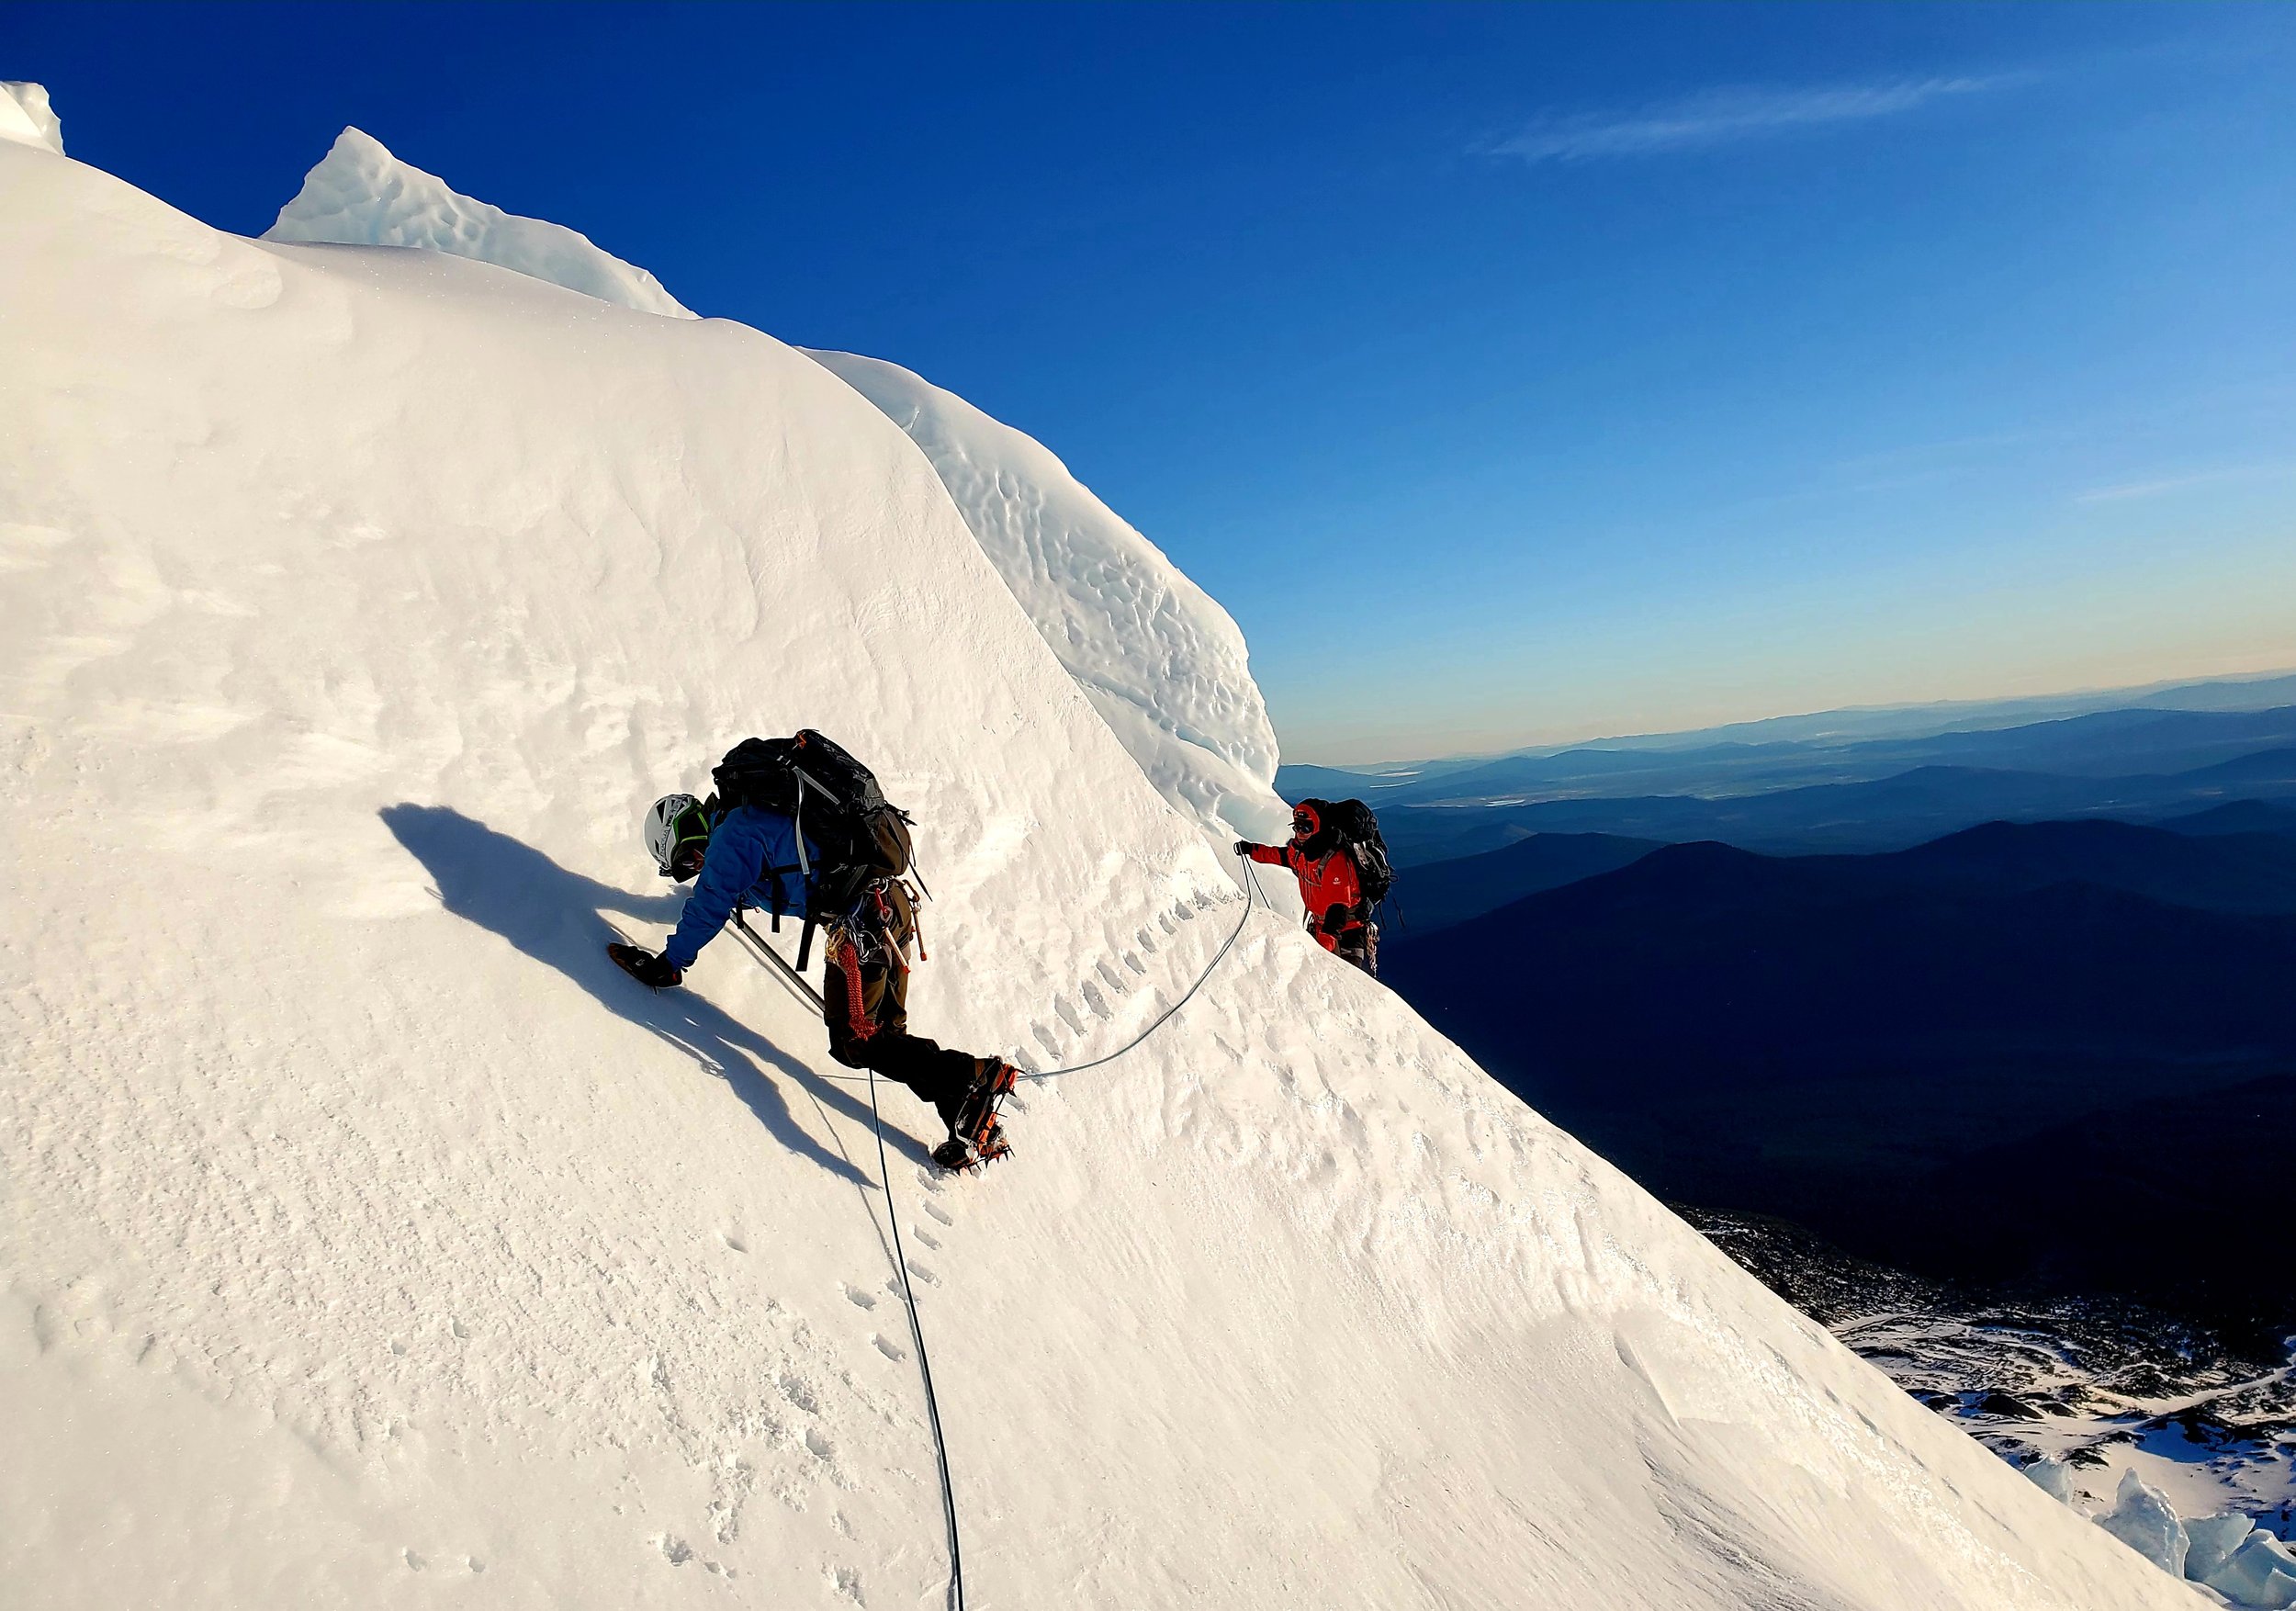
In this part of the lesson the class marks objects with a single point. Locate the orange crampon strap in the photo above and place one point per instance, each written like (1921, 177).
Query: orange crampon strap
(846, 958)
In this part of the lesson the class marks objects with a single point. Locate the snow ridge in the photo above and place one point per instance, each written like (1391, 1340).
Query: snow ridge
(1162, 662)
(360, 195)
(1157, 656)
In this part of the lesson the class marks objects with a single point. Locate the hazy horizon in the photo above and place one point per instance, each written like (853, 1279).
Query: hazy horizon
(2106, 694)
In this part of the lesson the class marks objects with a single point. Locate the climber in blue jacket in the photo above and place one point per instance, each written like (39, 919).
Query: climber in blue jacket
(749, 857)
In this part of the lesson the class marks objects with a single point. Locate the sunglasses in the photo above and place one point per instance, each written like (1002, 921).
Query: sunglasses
(693, 844)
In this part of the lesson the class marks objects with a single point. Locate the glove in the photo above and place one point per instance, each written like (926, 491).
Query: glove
(1245, 847)
(1334, 917)
(646, 967)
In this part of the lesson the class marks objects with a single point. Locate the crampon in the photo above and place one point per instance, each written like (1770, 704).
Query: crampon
(976, 1137)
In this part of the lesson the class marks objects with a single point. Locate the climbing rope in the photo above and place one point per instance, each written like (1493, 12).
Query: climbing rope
(1251, 891)
(1252, 895)
(766, 954)
(924, 1364)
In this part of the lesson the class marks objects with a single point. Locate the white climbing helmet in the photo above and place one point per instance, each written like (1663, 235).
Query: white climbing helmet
(675, 821)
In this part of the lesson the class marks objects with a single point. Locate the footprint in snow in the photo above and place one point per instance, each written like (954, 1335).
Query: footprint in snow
(924, 1273)
(856, 1298)
(942, 1214)
(1095, 1000)
(926, 1237)
(733, 1240)
(892, 1351)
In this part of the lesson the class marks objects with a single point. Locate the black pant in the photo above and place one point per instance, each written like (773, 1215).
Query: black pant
(1360, 945)
(864, 997)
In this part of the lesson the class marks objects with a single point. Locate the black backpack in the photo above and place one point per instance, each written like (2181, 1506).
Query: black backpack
(836, 803)
(1358, 832)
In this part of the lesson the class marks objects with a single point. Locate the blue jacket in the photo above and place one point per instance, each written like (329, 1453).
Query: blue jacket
(745, 846)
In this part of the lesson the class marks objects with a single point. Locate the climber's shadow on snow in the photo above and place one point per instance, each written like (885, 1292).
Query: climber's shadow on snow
(552, 915)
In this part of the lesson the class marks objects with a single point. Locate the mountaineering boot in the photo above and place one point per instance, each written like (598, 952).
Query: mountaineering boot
(974, 1130)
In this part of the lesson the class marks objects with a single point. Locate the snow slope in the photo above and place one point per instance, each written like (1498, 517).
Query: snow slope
(360, 195)
(1156, 654)
(370, 1241)
(1158, 657)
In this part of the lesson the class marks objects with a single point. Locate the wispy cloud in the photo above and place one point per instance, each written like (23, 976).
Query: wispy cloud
(2123, 494)
(1722, 116)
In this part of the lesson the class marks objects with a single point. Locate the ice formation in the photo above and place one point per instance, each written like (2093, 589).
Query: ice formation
(2226, 1552)
(26, 118)
(2212, 1540)
(372, 1241)
(2261, 1572)
(2143, 1518)
(1156, 654)
(360, 195)
(2052, 1477)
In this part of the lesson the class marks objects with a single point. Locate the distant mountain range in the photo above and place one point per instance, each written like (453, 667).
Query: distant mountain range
(1877, 796)
(1836, 728)
(1830, 1038)
(1443, 893)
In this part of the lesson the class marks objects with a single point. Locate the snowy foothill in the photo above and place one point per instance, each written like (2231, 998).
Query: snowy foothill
(371, 1240)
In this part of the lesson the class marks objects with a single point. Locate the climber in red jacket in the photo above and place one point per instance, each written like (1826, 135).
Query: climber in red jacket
(1338, 916)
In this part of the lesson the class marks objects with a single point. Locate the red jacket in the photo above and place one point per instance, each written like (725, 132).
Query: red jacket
(1325, 882)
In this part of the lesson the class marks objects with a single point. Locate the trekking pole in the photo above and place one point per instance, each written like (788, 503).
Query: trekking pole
(772, 959)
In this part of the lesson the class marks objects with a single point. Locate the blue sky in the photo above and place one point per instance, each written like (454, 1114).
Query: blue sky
(1509, 372)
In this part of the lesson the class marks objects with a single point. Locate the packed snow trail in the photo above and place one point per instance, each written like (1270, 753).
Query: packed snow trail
(369, 1234)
